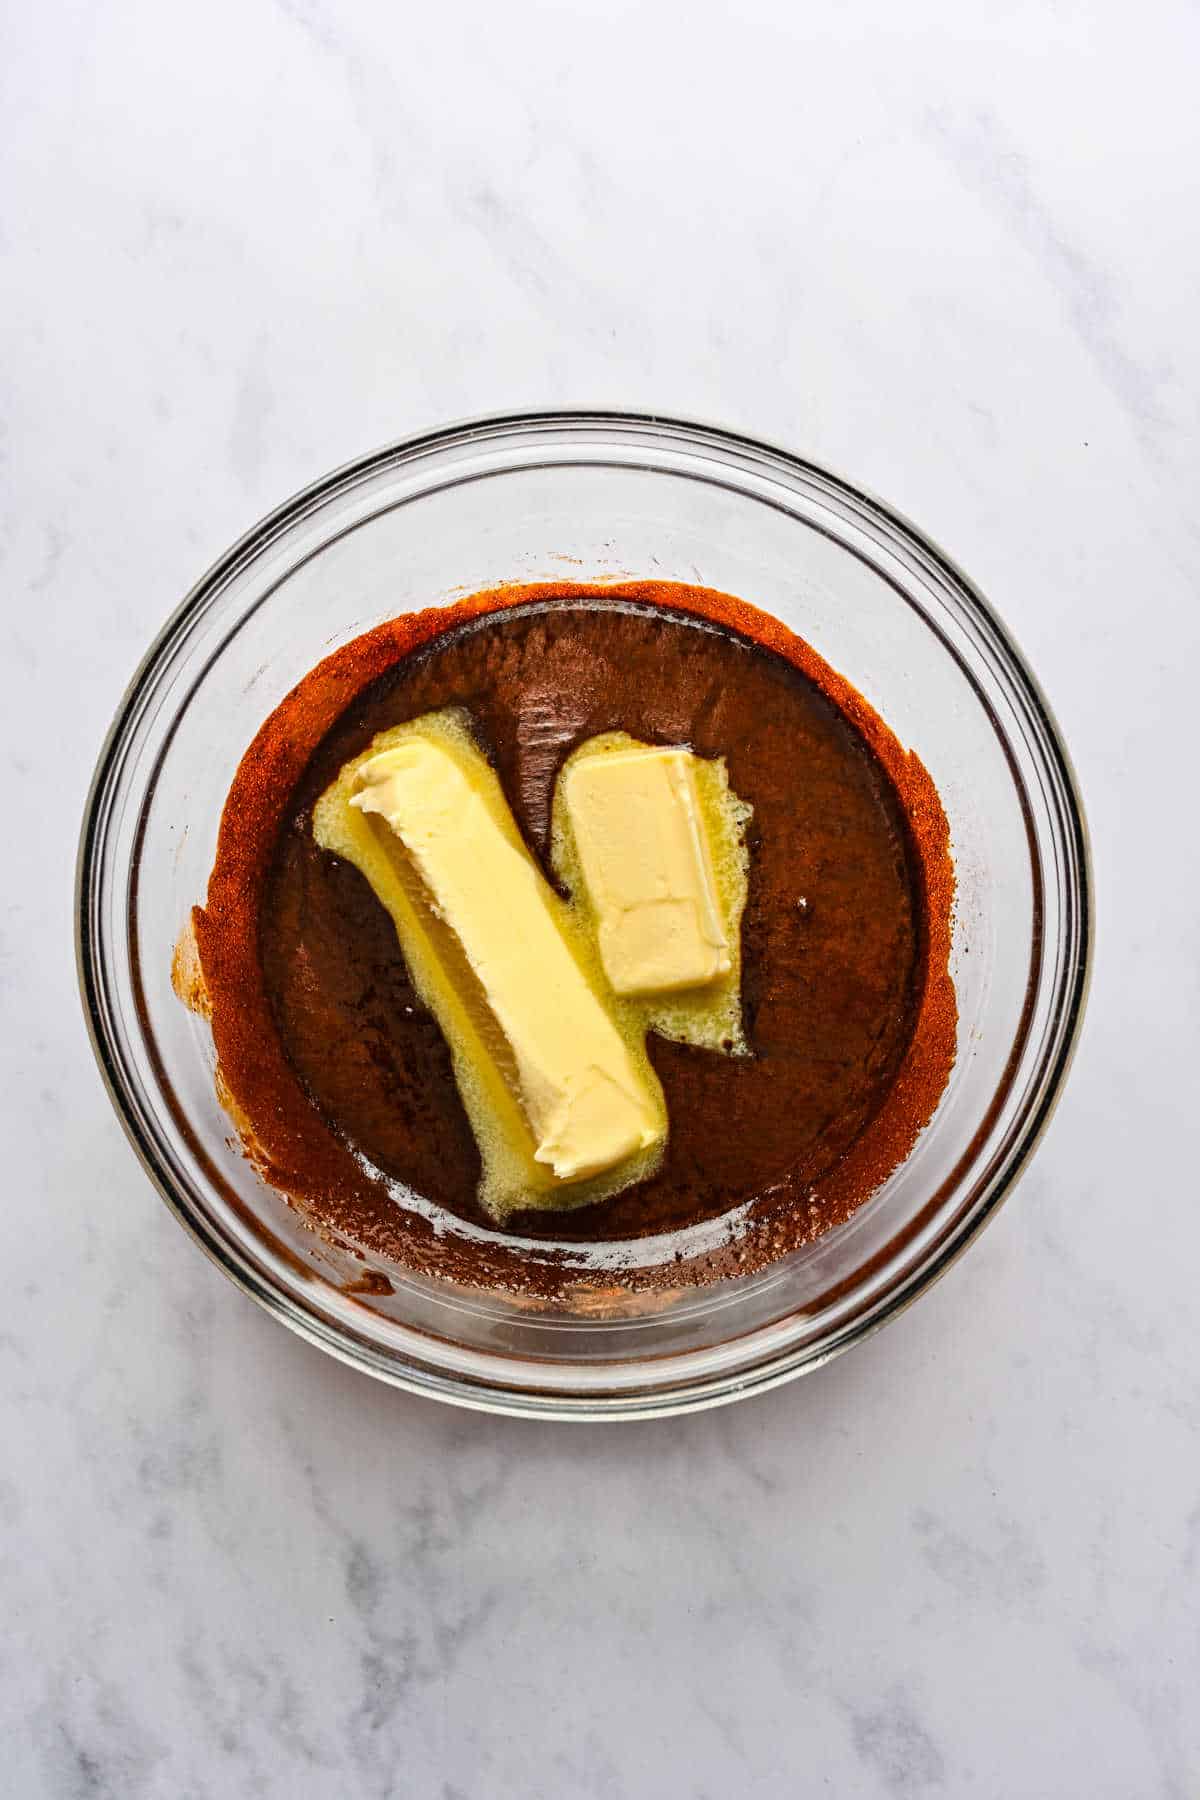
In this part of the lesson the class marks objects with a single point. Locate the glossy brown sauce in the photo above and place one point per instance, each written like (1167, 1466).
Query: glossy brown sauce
(847, 1005)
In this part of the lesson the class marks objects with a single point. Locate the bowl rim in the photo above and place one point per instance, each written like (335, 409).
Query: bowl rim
(521, 1401)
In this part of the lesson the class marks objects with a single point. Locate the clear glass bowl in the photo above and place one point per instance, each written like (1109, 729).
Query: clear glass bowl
(592, 496)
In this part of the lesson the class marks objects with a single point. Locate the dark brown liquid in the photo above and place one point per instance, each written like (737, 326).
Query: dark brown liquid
(831, 934)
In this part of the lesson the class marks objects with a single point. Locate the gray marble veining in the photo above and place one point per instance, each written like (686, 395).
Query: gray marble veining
(950, 251)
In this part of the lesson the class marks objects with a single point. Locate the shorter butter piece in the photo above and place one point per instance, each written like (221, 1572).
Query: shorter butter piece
(643, 848)
(586, 1103)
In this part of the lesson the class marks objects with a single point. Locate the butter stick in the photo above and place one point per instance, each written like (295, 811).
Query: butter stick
(588, 1106)
(643, 848)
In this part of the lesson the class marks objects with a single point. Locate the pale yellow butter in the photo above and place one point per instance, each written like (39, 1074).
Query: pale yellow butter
(586, 1103)
(643, 848)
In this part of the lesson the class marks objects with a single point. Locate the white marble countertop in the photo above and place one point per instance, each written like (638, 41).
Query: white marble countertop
(950, 250)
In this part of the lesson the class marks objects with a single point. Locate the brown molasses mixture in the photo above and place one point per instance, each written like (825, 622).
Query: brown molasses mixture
(336, 1070)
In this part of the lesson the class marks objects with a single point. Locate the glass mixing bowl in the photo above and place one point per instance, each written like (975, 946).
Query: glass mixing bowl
(592, 496)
